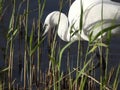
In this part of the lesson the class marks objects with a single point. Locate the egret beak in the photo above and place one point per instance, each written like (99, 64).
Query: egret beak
(44, 30)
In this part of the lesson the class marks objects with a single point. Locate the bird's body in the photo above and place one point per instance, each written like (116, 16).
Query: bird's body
(104, 17)
(97, 15)
(94, 13)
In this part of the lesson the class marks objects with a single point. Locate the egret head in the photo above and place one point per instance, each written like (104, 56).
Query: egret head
(60, 20)
(48, 23)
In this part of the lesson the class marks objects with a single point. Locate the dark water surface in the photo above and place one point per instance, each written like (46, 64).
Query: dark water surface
(51, 5)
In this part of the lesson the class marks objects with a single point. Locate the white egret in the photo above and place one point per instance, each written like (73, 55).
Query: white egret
(92, 15)
(97, 15)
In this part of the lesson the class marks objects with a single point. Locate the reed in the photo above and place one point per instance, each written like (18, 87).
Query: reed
(31, 55)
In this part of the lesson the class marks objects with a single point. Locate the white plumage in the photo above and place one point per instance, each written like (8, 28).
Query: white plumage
(97, 15)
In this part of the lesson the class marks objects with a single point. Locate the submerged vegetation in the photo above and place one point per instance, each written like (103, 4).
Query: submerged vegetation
(32, 61)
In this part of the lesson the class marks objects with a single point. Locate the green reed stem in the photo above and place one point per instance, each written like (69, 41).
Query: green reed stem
(101, 53)
(69, 69)
(78, 59)
(11, 29)
(17, 16)
(31, 54)
(59, 75)
(40, 13)
(117, 79)
(25, 52)
(38, 50)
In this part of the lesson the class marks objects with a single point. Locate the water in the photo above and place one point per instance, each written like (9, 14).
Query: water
(51, 5)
